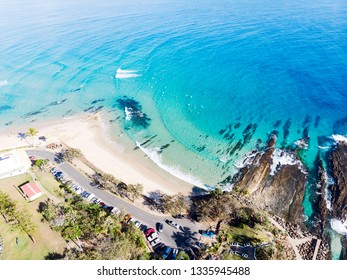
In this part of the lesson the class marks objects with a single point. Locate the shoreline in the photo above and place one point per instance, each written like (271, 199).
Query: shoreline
(90, 134)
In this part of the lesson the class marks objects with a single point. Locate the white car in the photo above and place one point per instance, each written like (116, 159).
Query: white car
(137, 224)
(116, 211)
(153, 236)
(155, 242)
(173, 224)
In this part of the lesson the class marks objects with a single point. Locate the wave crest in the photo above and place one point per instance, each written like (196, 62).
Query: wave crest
(154, 155)
(339, 226)
(126, 74)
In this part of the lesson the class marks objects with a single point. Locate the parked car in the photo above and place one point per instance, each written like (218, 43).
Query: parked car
(153, 236)
(174, 253)
(137, 224)
(208, 233)
(166, 252)
(54, 170)
(149, 231)
(160, 227)
(116, 211)
(127, 217)
(179, 216)
(155, 242)
(173, 224)
(245, 256)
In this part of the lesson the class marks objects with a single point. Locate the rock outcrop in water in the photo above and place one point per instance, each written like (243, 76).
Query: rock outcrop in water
(339, 189)
(321, 204)
(280, 192)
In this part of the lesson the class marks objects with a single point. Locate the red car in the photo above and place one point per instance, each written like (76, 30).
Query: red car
(149, 231)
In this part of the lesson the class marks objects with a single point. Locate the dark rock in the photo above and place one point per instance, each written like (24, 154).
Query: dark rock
(281, 194)
(339, 189)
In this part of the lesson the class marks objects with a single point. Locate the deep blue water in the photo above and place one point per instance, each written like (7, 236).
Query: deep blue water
(202, 69)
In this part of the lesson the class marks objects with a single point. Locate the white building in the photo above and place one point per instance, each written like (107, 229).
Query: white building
(13, 163)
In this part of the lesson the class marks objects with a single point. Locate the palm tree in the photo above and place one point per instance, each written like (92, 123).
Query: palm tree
(32, 132)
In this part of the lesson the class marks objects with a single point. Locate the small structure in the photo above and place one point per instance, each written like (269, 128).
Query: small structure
(14, 162)
(31, 190)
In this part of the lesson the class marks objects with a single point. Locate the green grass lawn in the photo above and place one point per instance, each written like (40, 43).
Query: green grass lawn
(47, 240)
(245, 234)
(49, 183)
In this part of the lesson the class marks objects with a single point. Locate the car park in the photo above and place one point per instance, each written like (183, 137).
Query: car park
(166, 252)
(173, 224)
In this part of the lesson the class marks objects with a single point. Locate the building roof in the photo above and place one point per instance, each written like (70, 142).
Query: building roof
(31, 190)
(13, 163)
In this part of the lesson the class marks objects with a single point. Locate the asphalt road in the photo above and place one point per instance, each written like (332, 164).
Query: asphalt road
(175, 238)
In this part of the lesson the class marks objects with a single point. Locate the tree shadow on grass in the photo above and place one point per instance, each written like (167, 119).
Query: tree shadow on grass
(54, 256)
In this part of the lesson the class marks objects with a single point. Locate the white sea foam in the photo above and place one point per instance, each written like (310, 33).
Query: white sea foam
(3, 83)
(339, 138)
(154, 155)
(128, 113)
(280, 158)
(339, 226)
(323, 148)
(246, 160)
(126, 74)
(301, 143)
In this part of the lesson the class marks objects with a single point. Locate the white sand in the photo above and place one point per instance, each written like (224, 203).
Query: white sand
(89, 135)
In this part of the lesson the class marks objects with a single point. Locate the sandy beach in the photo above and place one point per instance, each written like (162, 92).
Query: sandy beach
(90, 135)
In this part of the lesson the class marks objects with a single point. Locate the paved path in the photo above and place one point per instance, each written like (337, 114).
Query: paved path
(170, 236)
(316, 249)
(294, 242)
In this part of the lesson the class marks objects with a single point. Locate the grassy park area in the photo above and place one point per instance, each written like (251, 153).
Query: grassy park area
(17, 245)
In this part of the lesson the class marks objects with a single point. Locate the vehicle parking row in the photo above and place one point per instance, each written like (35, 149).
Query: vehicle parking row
(61, 177)
(163, 250)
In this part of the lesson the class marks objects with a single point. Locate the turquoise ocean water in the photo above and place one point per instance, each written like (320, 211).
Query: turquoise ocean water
(214, 78)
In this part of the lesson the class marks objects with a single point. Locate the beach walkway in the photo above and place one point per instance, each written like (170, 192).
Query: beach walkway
(316, 249)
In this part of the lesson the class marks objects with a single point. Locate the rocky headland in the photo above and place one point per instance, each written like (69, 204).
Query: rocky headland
(275, 181)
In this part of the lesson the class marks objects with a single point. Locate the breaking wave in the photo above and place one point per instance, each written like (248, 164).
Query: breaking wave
(154, 155)
(128, 113)
(126, 74)
(339, 226)
(339, 138)
(280, 158)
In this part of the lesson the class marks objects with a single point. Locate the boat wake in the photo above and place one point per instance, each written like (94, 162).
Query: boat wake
(126, 74)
